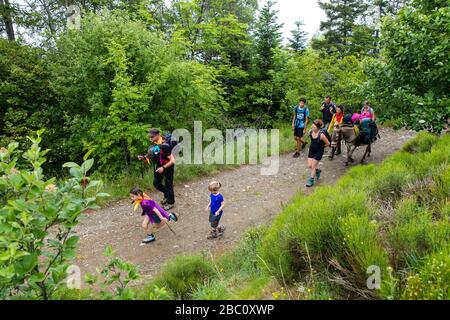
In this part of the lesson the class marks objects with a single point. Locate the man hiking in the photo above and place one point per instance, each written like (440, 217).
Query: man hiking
(328, 110)
(163, 164)
(299, 125)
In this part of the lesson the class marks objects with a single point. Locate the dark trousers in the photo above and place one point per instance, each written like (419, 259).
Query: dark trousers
(167, 188)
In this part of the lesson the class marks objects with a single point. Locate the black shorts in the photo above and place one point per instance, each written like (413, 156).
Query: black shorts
(316, 154)
(299, 132)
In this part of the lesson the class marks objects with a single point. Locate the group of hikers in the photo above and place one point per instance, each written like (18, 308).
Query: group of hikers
(160, 157)
(333, 121)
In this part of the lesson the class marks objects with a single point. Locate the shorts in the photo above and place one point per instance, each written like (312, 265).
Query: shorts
(299, 132)
(215, 220)
(155, 218)
(316, 154)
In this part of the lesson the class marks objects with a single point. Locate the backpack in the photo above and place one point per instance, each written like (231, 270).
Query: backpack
(348, 119)
(170, 141)
(368, 131)
(326, 133)
(157, 153)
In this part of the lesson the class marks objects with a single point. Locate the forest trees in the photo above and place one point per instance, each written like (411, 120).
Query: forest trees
(411, 81)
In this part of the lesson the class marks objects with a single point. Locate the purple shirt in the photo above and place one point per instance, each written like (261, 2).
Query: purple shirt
(147, 209)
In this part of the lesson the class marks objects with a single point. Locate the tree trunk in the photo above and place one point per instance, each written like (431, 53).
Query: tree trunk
(6, 15)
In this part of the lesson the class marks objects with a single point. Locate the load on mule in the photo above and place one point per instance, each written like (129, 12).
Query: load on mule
(356, 133)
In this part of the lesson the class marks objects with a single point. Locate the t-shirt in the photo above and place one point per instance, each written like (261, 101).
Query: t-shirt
(300, 116)
(328, 112)
(216, 202)
(148, 207)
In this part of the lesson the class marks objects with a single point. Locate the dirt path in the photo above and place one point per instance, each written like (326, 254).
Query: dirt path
(251, 200)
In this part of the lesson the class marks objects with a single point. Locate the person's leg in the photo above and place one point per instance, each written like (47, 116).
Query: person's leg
(157, 182)
(149, 236)
(168, 180)
(298, 143)
(146, 224)
(316, 171)
(314, 164)
(310, 181)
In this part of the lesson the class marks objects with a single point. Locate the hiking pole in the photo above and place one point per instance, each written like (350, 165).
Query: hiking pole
(170, 228)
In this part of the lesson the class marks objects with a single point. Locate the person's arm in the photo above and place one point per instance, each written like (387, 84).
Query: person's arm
(209, 206)
(293, 122)
(167, 165)
(306, 121)
(324, 139)
(220, 209)
(160, 216)
(322, 107)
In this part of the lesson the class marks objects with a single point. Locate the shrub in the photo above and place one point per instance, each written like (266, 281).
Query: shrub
(212, 290)
(422, 143)
(37, 218)
(184, 274)
(414, 234)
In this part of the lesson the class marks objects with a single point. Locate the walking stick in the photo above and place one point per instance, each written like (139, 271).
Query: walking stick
(170, 228)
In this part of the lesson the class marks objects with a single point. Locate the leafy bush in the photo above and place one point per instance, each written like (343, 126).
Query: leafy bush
(184, 274)
(37, 217)
(411, 80)
(116, 273)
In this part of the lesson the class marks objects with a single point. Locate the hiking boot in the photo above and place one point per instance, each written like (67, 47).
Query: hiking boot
(310, 182)
(173, 217)
(212, 235)
(318, 173)
(297, 155)
(169, 206)
(150, 238)
(304, 144)
(221, 231)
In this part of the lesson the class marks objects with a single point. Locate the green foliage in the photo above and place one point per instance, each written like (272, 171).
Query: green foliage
(37, 217)
(431, 282)
(117, 79)
(116, 273)
(314, 77)
(411, 81)
(184, 274)
(424, 142)
(298, 40)
(342, 33)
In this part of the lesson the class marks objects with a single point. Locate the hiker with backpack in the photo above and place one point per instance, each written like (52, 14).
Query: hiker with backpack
(163, 164)
(319, 139)
(153, 214)
(328, 109)
(299, 125)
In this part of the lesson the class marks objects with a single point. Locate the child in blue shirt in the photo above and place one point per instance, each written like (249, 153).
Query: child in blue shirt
(215, 208)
